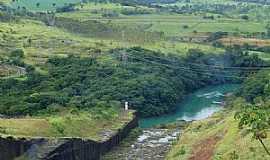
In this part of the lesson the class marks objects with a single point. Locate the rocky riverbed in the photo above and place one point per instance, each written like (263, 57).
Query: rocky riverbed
(151, 144)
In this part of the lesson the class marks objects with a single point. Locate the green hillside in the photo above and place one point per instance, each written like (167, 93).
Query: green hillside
(69, 66)
(223, 136)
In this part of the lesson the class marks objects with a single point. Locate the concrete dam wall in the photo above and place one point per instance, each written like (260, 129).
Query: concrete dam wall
(12, 148)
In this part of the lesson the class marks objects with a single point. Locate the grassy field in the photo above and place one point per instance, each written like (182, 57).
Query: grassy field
(174, 24)
(48, 41)
(45, 41)
(217, 138)
(41, 5)
(5, 1)
(52, 41)
(85, 125)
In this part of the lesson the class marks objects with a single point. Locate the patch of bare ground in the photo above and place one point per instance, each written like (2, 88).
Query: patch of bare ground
(204, 150)
(242, 41)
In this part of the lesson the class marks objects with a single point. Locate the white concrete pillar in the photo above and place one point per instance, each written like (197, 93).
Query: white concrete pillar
(126, 106)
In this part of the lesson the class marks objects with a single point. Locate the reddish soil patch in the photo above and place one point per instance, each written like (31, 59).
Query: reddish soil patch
(205, 149)
(241, 41)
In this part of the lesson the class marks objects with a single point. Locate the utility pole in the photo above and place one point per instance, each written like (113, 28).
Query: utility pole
(123, 35)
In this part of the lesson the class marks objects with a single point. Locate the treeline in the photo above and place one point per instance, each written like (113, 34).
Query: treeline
(241, 10)
(152, 82)
(245, 46)
(265, 2)
(133, 2)
(256, 86)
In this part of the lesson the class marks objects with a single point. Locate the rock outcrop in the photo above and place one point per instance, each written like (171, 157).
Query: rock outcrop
(151, 144)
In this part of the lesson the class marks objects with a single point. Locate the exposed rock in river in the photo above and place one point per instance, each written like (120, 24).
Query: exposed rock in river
(152, 144)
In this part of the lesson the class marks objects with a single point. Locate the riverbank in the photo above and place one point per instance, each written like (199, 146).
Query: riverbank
(87, 143)
(147, 144)
(217, 137)
(196, 106)
(158, 134)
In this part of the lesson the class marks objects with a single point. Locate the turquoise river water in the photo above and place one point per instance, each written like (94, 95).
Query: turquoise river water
(196, 106)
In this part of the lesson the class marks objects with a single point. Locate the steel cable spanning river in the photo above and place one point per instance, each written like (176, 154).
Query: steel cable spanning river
(196, 106)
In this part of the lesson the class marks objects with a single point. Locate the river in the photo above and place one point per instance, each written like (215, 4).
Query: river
(196, 106)
(154, 143)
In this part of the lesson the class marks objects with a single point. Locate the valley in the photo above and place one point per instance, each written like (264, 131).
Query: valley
(187, 68)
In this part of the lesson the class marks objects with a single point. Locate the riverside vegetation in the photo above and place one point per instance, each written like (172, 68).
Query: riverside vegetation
(239, 132)
(84, 59)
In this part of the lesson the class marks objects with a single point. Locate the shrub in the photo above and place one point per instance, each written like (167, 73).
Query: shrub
(58, 125)
(18, 53)
(185, 26)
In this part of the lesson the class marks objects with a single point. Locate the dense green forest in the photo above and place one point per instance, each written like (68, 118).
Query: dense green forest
(256, 86)
(151, 81)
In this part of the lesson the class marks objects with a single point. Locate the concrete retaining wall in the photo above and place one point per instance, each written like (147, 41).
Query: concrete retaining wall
(62, 148)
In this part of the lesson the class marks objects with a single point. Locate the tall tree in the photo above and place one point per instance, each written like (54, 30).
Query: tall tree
(255, 118)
